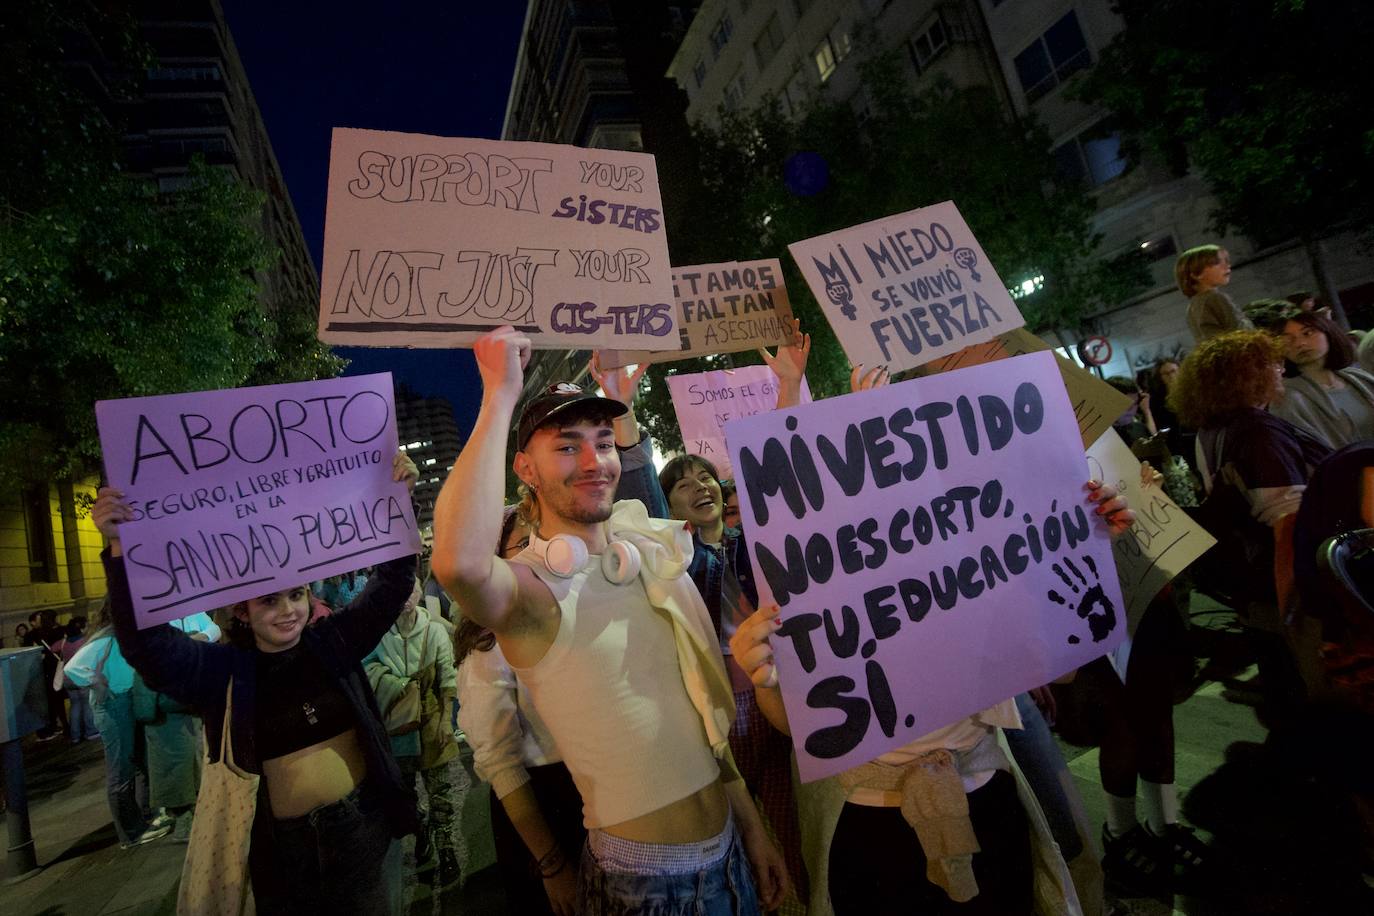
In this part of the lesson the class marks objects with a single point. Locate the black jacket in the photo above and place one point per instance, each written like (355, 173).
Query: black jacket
(198, 673)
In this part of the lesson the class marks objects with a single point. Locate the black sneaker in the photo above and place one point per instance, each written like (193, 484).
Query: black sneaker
(1187, 854)
(1136, 863)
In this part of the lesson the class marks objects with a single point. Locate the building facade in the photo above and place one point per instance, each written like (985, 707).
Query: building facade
(591, 73)
(739, 52)
(429, 436)
(194, 99)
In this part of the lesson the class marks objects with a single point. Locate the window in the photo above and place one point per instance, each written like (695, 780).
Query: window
(794, 96)
(720, 35)
(769, 41)
(824, 56)
(929, 44)
(833, 48)
(183, 73)
(1053, 57)
(734, 91)
(1093, 157)
(38, 533)
(699, 72)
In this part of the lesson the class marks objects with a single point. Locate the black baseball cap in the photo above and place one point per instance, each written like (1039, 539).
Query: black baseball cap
(559, 400)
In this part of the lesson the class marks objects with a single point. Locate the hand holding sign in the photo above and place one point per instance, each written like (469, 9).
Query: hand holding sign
(619, 383)
(789, 365)
(502, 355)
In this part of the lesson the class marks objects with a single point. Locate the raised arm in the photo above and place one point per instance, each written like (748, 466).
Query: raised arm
(467, 515)
(367, 617)
(638, 478)
(789, 364)
(190, 671)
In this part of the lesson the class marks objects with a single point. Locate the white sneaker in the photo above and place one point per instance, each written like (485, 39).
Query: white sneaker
(147, 836)
(163, 819)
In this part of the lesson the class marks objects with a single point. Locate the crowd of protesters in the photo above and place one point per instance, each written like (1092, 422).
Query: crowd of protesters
(605, 649)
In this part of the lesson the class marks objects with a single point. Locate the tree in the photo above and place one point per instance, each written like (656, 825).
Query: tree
(945, 143)
(107, 288)
(1264, 99)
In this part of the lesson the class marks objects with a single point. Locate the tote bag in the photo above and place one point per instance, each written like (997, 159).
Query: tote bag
(214, 877)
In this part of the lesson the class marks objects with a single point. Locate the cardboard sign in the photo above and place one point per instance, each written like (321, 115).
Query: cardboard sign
(722, 308)
(907, 289)
(1095, 403)
(432, 241)
(247, 491)
(706, 401)
(932, 550)
(1163, 541)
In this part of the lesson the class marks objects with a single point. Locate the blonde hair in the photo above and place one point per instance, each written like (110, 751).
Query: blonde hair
(1193, 262)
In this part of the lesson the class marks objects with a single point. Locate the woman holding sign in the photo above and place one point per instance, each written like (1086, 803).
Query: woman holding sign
(330, 801)
(935, 826)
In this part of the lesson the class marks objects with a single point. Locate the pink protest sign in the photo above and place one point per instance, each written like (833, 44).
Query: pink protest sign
(932, 550)
(706, 401)
(246, 491)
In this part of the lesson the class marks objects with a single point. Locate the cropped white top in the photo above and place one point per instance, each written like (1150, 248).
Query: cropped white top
(610, 690)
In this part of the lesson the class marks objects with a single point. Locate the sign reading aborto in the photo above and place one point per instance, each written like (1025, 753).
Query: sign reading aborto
(433, 241)
(906, 289)
(722, 308)
(246, 491)
(931, 548)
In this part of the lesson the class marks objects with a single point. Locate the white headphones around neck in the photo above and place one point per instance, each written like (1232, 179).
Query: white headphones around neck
(564, 555)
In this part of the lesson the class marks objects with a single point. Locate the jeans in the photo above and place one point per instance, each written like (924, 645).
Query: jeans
(82, 716)
(339, 859)
(1042, 764)
(126, 778)
(723, 889)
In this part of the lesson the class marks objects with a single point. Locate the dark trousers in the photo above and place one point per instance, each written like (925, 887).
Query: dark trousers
(561, 805)
(1138, 720)
(339, 859)
(877, 866)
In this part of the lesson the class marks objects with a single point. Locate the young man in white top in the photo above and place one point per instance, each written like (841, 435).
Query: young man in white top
(618, 660)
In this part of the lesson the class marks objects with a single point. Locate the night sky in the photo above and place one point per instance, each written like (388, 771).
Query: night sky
(433, 68)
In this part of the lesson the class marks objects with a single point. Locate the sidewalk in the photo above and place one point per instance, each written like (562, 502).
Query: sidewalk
(85, 873)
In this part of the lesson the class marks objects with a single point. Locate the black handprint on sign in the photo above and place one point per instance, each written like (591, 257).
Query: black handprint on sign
(1090, 601)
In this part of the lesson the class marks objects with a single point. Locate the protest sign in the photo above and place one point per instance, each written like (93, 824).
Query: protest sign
(1095, 403)
(932, 550)
(1164, 539)
(432, 241)
(722, 308)
(247, 491)
(706, 401)
(906, 289)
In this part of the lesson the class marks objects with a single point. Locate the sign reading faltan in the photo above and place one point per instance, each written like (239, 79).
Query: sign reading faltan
(906, 289)
(433, 241)
(723, 308)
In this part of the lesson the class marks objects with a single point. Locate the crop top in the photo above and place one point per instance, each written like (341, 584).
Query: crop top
(299, 703)
(610, 691)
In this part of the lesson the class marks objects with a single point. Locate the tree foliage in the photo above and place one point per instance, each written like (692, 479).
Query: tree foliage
(945, 143)
(1268, 100)
(107, 288)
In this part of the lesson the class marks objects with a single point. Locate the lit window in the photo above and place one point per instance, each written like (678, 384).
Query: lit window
(1053, 57)
(824, 56)
(429, 461)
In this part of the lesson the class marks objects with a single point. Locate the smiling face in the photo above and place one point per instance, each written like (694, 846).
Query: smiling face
(1304, 345)
(573, 468)
(276, 619)
(696, 498)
